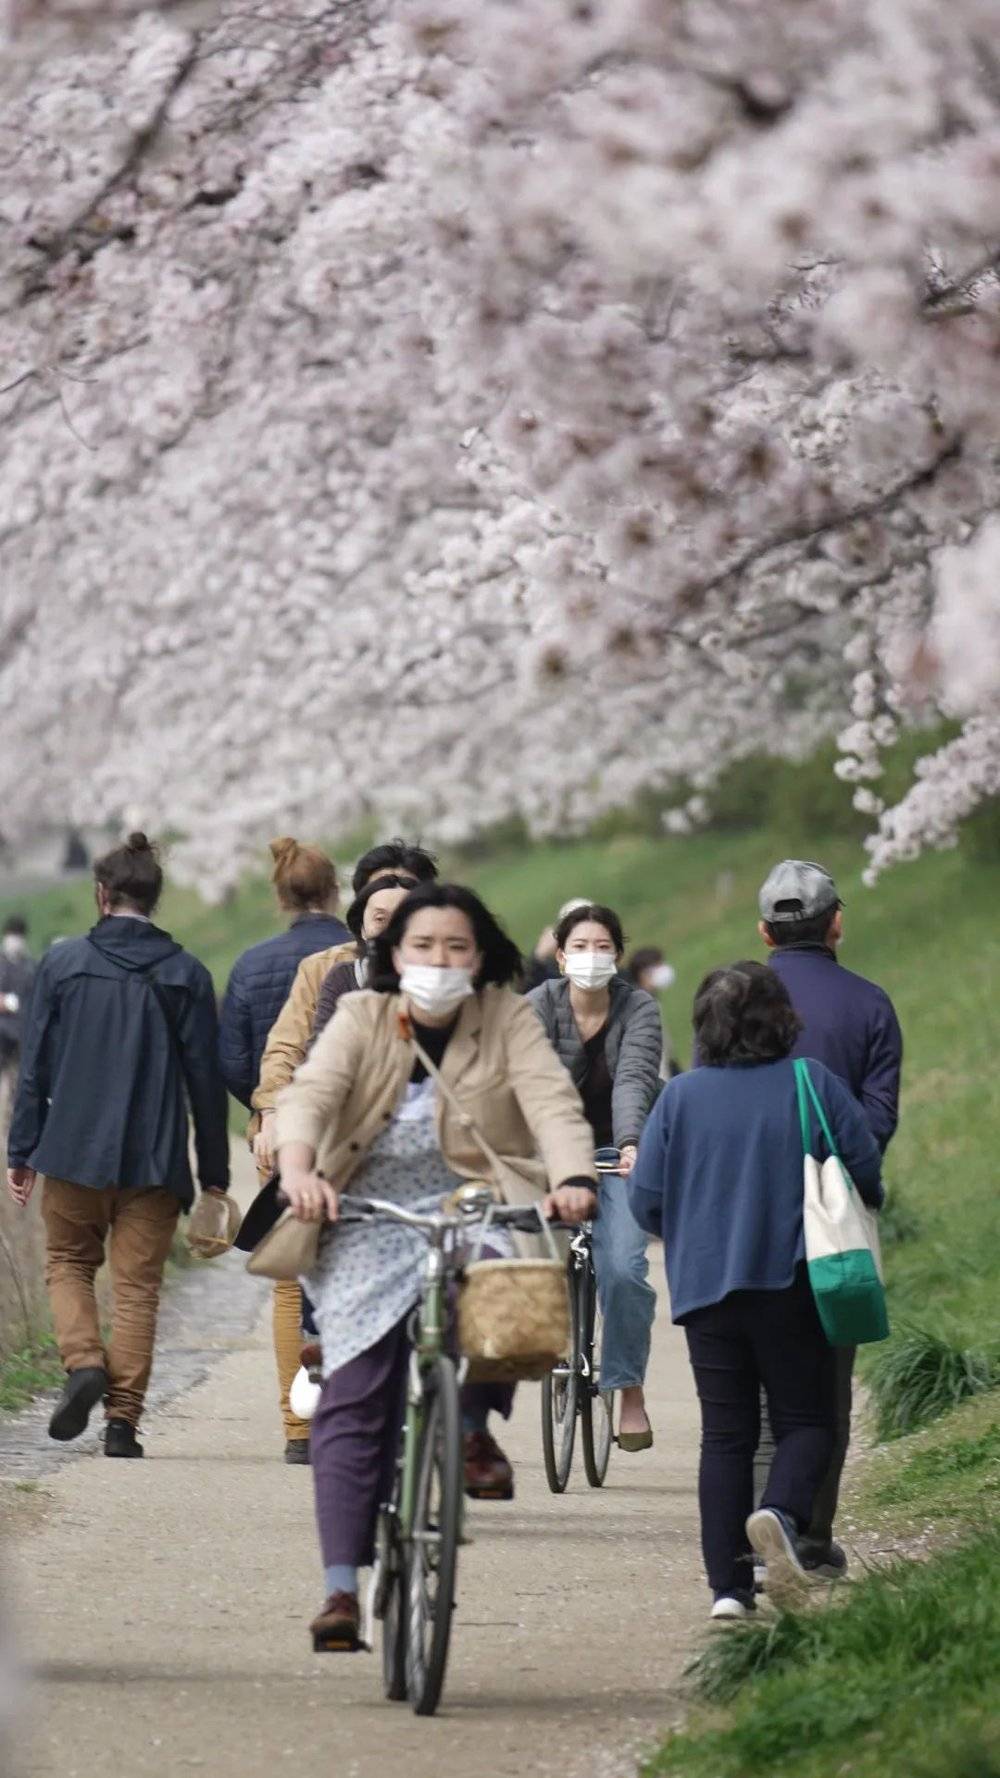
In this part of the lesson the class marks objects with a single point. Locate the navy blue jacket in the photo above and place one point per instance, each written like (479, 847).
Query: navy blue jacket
(258, 988)
(719, 1176)
(849, 1024)
(106, 1058)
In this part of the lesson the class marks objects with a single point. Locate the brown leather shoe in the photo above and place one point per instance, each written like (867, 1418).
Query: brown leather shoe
(337, 1629)
(488, 1475)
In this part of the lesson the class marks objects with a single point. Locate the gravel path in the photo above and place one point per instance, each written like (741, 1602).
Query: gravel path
(162, 1606)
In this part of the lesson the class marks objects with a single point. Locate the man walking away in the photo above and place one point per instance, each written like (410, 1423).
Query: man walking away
(850, 1025)
(122, 1026)
(17, 974)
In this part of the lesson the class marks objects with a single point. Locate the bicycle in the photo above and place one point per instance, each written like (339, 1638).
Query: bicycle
(419, 1528)
(573, 1390)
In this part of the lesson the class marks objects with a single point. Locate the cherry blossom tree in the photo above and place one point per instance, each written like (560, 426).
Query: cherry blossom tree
(446, 410)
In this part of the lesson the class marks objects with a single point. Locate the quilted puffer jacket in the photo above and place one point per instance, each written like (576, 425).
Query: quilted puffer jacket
(633, 1048)
(257, 990)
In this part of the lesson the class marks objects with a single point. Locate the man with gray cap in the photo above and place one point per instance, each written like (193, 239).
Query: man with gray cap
(850, 1025)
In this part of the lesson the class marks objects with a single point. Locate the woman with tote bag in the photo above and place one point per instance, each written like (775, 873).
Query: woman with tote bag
(720, 1175)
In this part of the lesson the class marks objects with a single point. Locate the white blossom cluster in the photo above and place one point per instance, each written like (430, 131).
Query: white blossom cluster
(443, 411)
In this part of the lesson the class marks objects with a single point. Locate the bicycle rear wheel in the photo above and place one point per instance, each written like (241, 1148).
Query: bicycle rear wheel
(596, 1406)
(560, 1398)
(432, 1547)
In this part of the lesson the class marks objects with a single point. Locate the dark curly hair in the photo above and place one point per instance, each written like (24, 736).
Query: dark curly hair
(601, 916)
(501, 957)
(743, 1015)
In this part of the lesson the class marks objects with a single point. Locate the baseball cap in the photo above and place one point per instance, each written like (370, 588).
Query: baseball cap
(797, 889)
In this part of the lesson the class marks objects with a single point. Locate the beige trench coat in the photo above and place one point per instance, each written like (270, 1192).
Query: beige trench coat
(499, 1064)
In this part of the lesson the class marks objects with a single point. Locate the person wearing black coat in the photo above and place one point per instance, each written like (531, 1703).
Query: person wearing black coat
(121, 1039)
(610, 1038)
(305, 883)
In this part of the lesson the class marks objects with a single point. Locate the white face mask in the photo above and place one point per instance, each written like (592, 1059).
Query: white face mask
(591, 969)
(435, 990)
(14, 944)
(660, 977)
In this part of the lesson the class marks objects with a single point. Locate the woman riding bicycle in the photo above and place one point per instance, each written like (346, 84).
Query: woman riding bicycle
(610, 1037)
(362, 1108)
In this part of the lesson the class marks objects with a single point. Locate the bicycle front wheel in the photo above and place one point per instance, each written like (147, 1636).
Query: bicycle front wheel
(560, 1398)
(390, 1603)
(432, 1547)
(596, 1405)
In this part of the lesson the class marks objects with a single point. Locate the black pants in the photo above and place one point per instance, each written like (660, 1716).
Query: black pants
(820, 1533)
(753, 1338)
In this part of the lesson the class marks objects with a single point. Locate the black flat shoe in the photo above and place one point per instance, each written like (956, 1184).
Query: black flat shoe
(120, 1440)
(297, 1450)
(82, 1391)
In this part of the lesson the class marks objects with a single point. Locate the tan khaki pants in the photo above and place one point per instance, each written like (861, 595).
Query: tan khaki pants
(286, 1327)
(78, 1223)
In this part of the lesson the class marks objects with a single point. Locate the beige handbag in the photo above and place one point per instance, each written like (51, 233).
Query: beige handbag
(288, 1250)
(513, 1314)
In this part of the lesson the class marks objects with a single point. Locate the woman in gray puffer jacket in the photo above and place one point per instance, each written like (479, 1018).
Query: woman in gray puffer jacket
(610, 1037)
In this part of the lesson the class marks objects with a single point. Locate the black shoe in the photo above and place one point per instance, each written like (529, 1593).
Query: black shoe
(120, 1440)
(826, 1561)
(82, 1391)
(297, 1450)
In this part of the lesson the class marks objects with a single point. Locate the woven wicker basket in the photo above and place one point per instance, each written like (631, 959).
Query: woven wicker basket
(513, 1318)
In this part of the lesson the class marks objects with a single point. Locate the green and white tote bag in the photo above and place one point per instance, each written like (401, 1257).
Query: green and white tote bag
(841, 1235)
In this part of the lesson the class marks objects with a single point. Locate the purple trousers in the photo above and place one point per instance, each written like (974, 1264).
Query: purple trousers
(355, 1437)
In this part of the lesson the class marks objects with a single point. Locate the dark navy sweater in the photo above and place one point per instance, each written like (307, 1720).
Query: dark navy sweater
(850, 1025)
(258, 988)
(719, 1176)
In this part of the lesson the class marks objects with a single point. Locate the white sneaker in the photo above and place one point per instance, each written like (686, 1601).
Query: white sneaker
(729, 1610)
(772, 1535)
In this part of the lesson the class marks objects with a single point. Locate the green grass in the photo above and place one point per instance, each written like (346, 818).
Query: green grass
(920, 1375)
(835, 1691)
(26, 1372)
(937, 1482)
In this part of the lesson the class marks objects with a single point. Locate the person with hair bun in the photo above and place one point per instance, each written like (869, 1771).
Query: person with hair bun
(305, 884)
(121, 1040)
(719, 1177)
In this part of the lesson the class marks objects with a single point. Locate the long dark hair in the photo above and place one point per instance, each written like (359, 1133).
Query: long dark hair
(743, 1015)
(501, 957)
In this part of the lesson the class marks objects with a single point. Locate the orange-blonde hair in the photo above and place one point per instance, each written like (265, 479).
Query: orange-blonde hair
(303, 876)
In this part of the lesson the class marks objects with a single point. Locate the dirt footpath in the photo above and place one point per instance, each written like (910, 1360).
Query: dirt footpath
(162, 1606)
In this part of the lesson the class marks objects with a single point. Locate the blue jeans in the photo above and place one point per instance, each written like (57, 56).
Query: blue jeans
(627, 1299)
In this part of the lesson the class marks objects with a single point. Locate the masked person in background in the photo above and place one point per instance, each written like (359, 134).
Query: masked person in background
(648, 968)
(541, 966)
(365, 1112)
(609, 1036)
